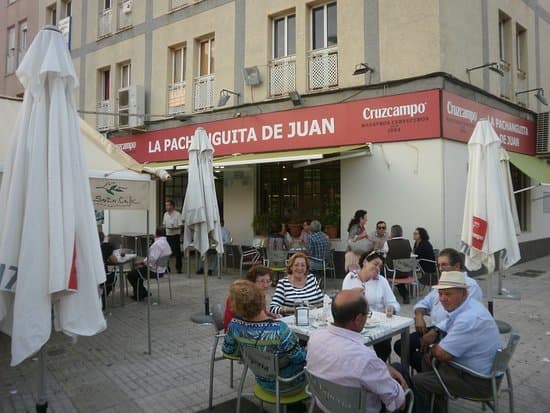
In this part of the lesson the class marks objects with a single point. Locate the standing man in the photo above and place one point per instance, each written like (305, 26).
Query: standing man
(338, 354)
(172, 223)
(379, 236)
(395, 248)
(317, 246)
(470, 338)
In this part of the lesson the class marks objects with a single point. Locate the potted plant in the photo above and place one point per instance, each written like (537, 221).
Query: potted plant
(331, 221)
(263, 222)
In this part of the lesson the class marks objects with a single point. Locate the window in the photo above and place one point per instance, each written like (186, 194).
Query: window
(206, 59)
(504, 37)
(52, 15)
(106, 4)
(296, 194)
(23, 40)
(284, 36)
(520, 181)
(10, 56)
(105, 84)
(324, 26)
(68, 8)
(521, 48)
(178, 64)
(125, 74)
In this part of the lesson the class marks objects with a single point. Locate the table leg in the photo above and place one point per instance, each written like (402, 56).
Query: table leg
(405, 347)
(122, 287)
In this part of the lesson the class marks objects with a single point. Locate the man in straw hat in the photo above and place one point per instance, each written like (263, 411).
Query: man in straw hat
(470, 337)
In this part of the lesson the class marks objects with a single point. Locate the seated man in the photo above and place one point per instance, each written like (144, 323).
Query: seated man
(213, 253)
(379, 236)
(159, 248)
(109, 258)
(317, 246)
(395, 248)
(448, 260)
(338, 354)
(471, 338)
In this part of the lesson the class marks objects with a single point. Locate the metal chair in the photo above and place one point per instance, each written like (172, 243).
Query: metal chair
(161, 262)
(217, 313)
(249, 256)
(329, 263)
(407, 265)
(342, 399)
(500, 367)
(276, 261)
(419, 268)
(266, 364)
(323, 270)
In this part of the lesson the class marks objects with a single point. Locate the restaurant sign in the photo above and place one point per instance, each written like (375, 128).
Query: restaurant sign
(393, 118)
(119, 194)
(460, 116)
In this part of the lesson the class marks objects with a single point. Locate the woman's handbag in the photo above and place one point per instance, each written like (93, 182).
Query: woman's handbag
(359, 246)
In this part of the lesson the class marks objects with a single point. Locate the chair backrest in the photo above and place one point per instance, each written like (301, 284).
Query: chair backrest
(329, 258)
(335, 397)
(503, 357)
(404, 264)
(162, 262)
(217, 313)
(262, 363)
(276, 257)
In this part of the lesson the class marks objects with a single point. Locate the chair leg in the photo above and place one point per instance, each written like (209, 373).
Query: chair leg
(158, 290)
(170, 286)
(231, 373)
(510, 390)
(240, 389)
(212, 360)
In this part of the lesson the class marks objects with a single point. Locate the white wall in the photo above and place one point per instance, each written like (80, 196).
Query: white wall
(238, 203)
(401, 183)
(539, 222)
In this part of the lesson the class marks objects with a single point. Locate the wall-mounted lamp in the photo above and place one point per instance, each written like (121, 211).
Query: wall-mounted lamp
(252, 76)
(225, 94)
(494, 66)
(362, 68)
(539, 95)
(295, 98)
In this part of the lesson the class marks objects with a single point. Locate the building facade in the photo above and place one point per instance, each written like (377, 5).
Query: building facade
(319, 108)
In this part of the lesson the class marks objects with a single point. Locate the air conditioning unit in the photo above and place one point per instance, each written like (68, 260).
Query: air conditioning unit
(543, 130)
(127, 7)
(131, 107)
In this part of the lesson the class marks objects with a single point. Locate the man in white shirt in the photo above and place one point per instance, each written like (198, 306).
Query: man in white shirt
(172, 222)
(338, 354)
(159, 248)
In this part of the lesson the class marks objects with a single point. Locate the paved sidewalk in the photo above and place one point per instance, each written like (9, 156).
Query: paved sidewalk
(111, 372)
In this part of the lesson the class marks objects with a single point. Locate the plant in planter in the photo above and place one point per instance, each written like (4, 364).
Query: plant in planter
(263, 222)
(331, 221)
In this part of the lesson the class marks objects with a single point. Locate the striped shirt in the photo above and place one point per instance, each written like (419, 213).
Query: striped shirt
(286, 295)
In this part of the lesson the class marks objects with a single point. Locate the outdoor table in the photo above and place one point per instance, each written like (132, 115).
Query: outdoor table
(378, 328)
(121, 262)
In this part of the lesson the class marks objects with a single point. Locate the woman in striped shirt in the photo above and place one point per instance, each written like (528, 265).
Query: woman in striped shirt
(299, 286)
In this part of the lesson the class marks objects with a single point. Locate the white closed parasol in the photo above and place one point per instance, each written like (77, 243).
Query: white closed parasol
(200, 207)
(49, 247)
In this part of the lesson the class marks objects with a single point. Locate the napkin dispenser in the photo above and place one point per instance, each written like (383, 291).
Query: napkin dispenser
(301, 314)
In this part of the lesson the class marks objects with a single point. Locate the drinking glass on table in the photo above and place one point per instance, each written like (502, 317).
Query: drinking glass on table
(389, 311)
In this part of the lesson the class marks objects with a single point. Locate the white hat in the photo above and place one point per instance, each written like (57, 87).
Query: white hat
(451, 279)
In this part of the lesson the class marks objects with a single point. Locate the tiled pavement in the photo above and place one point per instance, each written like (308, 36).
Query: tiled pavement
(111, 372)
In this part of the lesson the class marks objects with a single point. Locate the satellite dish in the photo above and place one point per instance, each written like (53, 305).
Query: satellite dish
(252, 76)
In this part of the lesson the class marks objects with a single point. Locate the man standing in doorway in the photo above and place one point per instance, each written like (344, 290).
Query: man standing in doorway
(172, 223)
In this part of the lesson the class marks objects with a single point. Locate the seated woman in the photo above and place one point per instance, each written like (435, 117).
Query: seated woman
(259, 275)
(423, 249)
(299, 286)
(252, 327)
(377, 291)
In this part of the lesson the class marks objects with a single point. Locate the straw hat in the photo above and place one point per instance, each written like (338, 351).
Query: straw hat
(451, 279)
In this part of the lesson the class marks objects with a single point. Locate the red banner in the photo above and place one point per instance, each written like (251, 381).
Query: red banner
(460, 116)
(393, 118)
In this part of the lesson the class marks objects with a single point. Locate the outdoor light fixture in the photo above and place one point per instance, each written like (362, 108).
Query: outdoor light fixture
(539, 95)
(362, 68)
(295, 97)
(225, 94)
(491, 66)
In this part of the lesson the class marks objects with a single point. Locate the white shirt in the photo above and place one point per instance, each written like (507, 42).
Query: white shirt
(172, 222)
(377, 291)
(160, 248)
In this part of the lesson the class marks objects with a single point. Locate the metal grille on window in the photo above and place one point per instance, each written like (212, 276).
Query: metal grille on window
(506, 80)
(105, 23)
(176, 97)
(124, 14)
(282, 78)
(204, 92)
(104, 122)
(323, 68)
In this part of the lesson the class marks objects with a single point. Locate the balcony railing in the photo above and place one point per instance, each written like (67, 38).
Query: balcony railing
(10, 62)
(521, 85)
(323, 68)
(105, 23)
(282, 76)
(124, 14)
(104, 122)
(178, 4)
(176, 97)
(506, 80)
(204, 92)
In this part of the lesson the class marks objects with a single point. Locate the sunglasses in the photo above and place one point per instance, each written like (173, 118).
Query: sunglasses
(381, 227)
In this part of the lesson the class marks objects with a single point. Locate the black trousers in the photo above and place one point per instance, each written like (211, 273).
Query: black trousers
(135, 279)
(174, 241)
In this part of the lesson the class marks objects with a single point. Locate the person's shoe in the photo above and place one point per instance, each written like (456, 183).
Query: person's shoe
(144, 295)
(200, 271)
(209, 272)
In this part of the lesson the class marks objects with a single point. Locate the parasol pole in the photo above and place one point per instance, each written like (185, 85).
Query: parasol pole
(148, 291)
(42, 399)
(206, 299)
